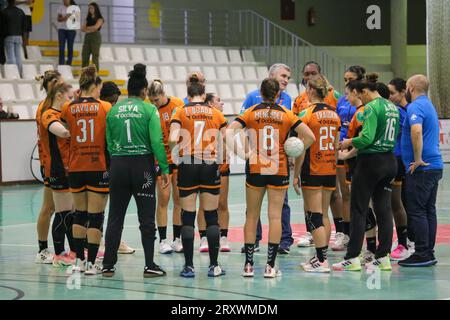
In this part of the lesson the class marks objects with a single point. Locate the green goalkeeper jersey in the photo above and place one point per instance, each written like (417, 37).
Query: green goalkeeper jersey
(380, 128)
(133, 128)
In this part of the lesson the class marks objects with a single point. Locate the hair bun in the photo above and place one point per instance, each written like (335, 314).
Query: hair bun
(139, 71)
(39, 77)
(372, 77)
(194, 78)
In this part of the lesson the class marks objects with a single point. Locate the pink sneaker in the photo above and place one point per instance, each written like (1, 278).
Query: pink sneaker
(72, 255)
(400, 253)
(62, 260)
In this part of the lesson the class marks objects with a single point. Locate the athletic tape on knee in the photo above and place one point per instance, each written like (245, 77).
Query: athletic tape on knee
(211, 218)
(96, 220)
(314, 220)
(80, 218)
(371, 221)
(188, 218)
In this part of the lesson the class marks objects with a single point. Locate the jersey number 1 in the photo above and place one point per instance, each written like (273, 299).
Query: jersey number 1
(84, 134)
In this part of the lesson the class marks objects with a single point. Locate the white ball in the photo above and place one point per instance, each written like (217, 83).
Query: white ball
(294, 147)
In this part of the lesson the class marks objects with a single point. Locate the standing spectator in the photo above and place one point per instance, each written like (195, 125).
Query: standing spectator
(93, 38)
(64, 33)
(423, 160)
(25, 6)
(3, 4)
(14, 23)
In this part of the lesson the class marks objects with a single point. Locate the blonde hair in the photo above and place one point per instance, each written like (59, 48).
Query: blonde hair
(320, 84)
(57, 87)
(47, 78)
(88, 77)
(156, 88)
(197, 76)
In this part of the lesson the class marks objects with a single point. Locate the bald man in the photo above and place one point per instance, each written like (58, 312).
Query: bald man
(422, 158)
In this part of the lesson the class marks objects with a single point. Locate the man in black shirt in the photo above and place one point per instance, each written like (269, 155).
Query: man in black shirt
(13, 24)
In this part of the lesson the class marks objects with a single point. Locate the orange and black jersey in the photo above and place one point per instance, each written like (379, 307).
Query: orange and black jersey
(165, 114)
(356, 123)
(302, 101)
(56, 164)
(86, 121)
(42, 154)
(324, 122)
(268, 127)
(200, 125)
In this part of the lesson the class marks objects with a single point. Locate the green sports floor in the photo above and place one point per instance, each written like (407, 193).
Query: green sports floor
(21, 278)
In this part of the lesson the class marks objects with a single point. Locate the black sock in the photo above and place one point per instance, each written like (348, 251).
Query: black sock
(213, 235)
(176, 232)
(372, 244)
(402, 235)
(202, 233)
(224, 232)
(79, 247)
(249, 250)
(322, 253)
(339, 225)
(59, 232)
(68, 222)
(346, 228)
(307, 225)
(187, 238)
(92, 252)
(42, 245)
(272, 253)
(162, 233)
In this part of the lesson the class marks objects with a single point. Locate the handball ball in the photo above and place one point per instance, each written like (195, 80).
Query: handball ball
(294, 147)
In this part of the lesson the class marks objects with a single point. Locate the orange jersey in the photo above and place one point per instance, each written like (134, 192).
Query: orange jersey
(86, 120)
(42, 155)
(56, 164)
(302, 101)
(324, 122)
(200, 125)
(268, 127)
(165, 114)
(356, 123)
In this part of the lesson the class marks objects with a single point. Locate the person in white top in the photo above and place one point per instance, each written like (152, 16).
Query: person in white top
(26, 7)
(66, 31)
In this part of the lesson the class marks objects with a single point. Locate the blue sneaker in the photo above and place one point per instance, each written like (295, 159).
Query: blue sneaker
(216, 271)
(417, 261)
(188, 272)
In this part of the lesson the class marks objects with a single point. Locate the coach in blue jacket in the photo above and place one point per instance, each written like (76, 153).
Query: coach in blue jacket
(282, 73)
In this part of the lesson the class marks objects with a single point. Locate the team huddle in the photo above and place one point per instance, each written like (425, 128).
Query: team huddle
(154, 147)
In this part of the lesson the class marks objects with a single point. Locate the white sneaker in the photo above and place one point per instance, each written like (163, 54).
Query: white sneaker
(315, 266)
(340, 242)
(348, 265)
(270, 272)
(249, 271)
(91, 269)
(204, 244)
(177, 245)
(78, 267)
(125, 249)
(305, 241)
(383, 264)
(411, 247)
(224, 246)
(165, 247)
(367, 257)
(44, 257)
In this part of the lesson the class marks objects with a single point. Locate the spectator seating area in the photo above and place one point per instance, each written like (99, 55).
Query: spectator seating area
(230, 72)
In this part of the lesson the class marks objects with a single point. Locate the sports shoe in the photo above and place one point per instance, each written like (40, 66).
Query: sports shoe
(366, 257)
(62, 260)
(340, 242)
(284, 250)
(305, 241)
(224, 246)
(315, 266)
(100, 254)
(348, 265)
(177, 245)
(125, 249)
(383, 264)
(44, 257)
(154, 271)
(77, 267)
(204, 244)
(249, 271)
(91, 270)
(108, 272)
(272, 272)
(400, 253)
(417, 261)
(255, 250)
(165, 247)
(216, 271)
(411, 247)
(73, 255)
(187, 272)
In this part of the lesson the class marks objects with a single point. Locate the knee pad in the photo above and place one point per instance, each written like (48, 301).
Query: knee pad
(371, 221)
(211, 218)
(80, 218)
(188, 218)
(314, 220)
(187, 233)
(96, 220)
